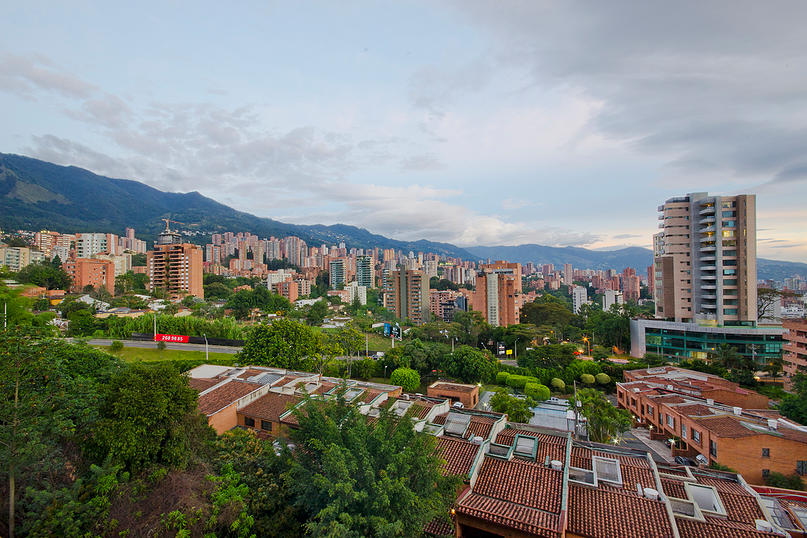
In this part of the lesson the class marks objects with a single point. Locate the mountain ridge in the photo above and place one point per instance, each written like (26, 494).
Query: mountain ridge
(36, 194)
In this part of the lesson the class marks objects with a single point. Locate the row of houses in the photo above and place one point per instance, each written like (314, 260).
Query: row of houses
(518, 480)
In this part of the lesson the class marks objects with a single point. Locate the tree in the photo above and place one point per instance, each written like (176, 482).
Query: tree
(537, 391)
(604, 421)
(217, 290)
(546, 310)
(316, 313)
(517, 409)
(471, 325)
(283, 344)
(767, 298)
(779, 480)
(150, 417)
(407, 378)
(794, 406)
(45, 275)
(470, 365)
(355, 478)
(349, 339)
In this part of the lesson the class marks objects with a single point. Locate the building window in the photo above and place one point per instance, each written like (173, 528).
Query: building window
(801, 467)
(248, 421)
(713, 448)
(266, 425)
(683, 431)
(670, 421)
(765, 473)
(696, 436)
(766, 452)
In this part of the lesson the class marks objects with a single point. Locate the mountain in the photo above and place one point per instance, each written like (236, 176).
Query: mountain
(636, 257)
(38, 195)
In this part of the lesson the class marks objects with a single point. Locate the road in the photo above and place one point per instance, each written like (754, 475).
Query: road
(484, 400)
(168, 345)
(639, 439)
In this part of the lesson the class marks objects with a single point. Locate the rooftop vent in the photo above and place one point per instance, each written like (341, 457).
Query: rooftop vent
(737, 410)
(651, 494)
(607, 470)
(557, 465)
(764, 526)
(710, 401)
(773, 424)
(477, 439)
(669, 387)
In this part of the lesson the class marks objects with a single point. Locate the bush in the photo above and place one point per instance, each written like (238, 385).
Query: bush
(537, 391)
(778, 480)
(116, 346)
(501, 378)
(602, 379)
(519, 381)
(160, 345)
(588, 379)
(406, 378)
(558, 384)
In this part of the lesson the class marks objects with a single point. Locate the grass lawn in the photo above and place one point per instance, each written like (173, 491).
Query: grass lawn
(131, 354)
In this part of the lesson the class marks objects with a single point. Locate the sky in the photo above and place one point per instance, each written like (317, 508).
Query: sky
(477, 123)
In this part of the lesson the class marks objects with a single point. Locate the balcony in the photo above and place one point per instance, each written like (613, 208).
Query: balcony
(709, 306)
(708, 248)
(709, 277)
(709, 297)
(705, 220)
(709, 210)
(707, 229)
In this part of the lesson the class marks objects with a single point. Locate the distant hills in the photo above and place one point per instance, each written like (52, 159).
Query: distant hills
(36, 194)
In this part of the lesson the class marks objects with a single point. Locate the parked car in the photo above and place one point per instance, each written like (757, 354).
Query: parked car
(681, 460)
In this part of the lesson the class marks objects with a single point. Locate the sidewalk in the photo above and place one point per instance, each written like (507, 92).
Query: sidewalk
(661, 450)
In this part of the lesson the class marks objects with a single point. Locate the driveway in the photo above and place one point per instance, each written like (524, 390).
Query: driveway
(639, 438)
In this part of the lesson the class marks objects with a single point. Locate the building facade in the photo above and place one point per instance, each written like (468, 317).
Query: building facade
(176, 268)
(795, 349)
(705, 259)
(498, 293)
(91, 272)
(407, 295)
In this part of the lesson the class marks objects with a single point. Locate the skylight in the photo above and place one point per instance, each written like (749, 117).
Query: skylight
(457, 423)
(706, 498)
(607, 470)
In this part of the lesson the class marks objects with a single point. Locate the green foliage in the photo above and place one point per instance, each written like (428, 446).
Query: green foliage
(45, 275)
(517, 409)
(161, 345)
(547, 311)
(316, 313)
(283, 344)
(602, 379)
(441, 284)
(244, 301)
(150, 417)
(230, 497)
(588, 379)
(548, 356)
(604, 421)
(501, 378)
(188, 325)
(599, 353)
(349, 339)
(558, 384)
(116, 346)
(779, 480)
(470, 365)
(360, 479)
(794, 406)
(537, 391)
(406, 378)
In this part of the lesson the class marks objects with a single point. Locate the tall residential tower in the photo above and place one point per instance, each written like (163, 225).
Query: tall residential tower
(705, 259)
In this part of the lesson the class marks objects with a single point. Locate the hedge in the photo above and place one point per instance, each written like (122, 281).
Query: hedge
(558, 384)
(519, 381)
(501, 378)
(603, 379)
(537, 391)
(588, 379)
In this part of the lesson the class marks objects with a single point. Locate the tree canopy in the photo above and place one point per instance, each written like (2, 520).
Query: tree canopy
(284, 343)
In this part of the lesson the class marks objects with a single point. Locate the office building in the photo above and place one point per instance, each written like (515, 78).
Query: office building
(407, 295)
(705, 259)
(498, 293)
(795, 349)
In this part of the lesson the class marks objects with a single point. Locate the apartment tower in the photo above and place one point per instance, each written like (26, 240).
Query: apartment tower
(705, 259)
(175, 267)
(498, 293)
(407, 295)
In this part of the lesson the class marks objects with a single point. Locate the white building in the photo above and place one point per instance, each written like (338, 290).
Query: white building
(579, 298)
(355, 291)
(610, 298)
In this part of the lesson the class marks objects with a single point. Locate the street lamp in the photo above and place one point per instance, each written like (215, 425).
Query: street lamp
(588, 344)
(207, 355)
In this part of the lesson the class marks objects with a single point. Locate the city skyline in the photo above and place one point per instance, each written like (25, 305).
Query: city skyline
(407, 120)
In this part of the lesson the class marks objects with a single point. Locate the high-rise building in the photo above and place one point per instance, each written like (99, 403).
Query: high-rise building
(365, 271)
(610, 298)
(15, 258)
(579, 298)
(498, 293)
(568, 274)
(91, 272)
(336, 273)
(88, 244)
(705, 259)
(407, 295)
(175, 267)
(795, 350)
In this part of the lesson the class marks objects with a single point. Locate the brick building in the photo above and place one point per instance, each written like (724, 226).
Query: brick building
(794, 349)
(176, 268)
(91, 272)
(468, 395)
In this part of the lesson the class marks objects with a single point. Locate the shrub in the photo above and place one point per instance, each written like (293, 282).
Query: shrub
(501, 378)
(537, 391)
(602, 379)
(558, 384)
(519, 381)
(406, 378)
(116, 346)
(160, 345)
(588, 379)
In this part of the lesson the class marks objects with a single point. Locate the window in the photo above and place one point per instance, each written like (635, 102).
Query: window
(766, 472)
(729, 253)
(683, 431)
(730, 282)
(696, 436)
(729, 272)
(248, 421)
(766, 452)
(266, 425)
(801, 467)
(729, 214)
(730, 311)
(728, 233)
(670, 421)
(713, 448)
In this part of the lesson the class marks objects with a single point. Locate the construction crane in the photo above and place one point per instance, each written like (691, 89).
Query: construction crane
(167, 221)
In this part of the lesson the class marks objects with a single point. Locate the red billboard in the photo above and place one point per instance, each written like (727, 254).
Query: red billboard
(181, 338)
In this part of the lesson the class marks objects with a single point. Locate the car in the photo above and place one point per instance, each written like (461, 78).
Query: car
(681, 460)
(458, 405)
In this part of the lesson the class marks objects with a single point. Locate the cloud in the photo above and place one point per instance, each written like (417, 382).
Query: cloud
(626, 236)
(23, 75)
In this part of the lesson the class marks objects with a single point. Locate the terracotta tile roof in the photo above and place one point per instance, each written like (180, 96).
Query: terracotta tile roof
(508, 435)
(419, 409)
(439, 526)
(695, 410)
(676, 471)
(200, 384)
(458, 454)
(480, 426)
(440, 419)
(521, 482)
(715, 527)
(741, 507)
(370, 395)
(669, 399)
(515, 516)
(673, 488)
(607, 513)
(270, 406)
(324, 387)
(220, 397)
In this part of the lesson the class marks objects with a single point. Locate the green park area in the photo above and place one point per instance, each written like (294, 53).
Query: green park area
(133, 354)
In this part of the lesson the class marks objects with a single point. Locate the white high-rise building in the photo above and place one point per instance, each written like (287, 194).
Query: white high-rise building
(610, 298)
(579, 298)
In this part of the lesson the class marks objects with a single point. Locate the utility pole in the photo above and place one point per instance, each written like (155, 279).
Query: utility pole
(515, 349)
(366, 345)
(207, 355)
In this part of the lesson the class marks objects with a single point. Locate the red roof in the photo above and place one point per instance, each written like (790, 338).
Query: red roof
(521, 482)
(270, 406)
(458, 454)
(608, 513)
(221, 397)
(512, 515)
(200, 384)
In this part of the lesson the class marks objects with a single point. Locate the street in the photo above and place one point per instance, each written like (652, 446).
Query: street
(168, 345)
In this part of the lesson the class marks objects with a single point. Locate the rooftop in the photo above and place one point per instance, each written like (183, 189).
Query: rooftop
(217, 398)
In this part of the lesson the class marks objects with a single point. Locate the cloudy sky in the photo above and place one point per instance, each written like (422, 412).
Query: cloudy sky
(497, 122)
